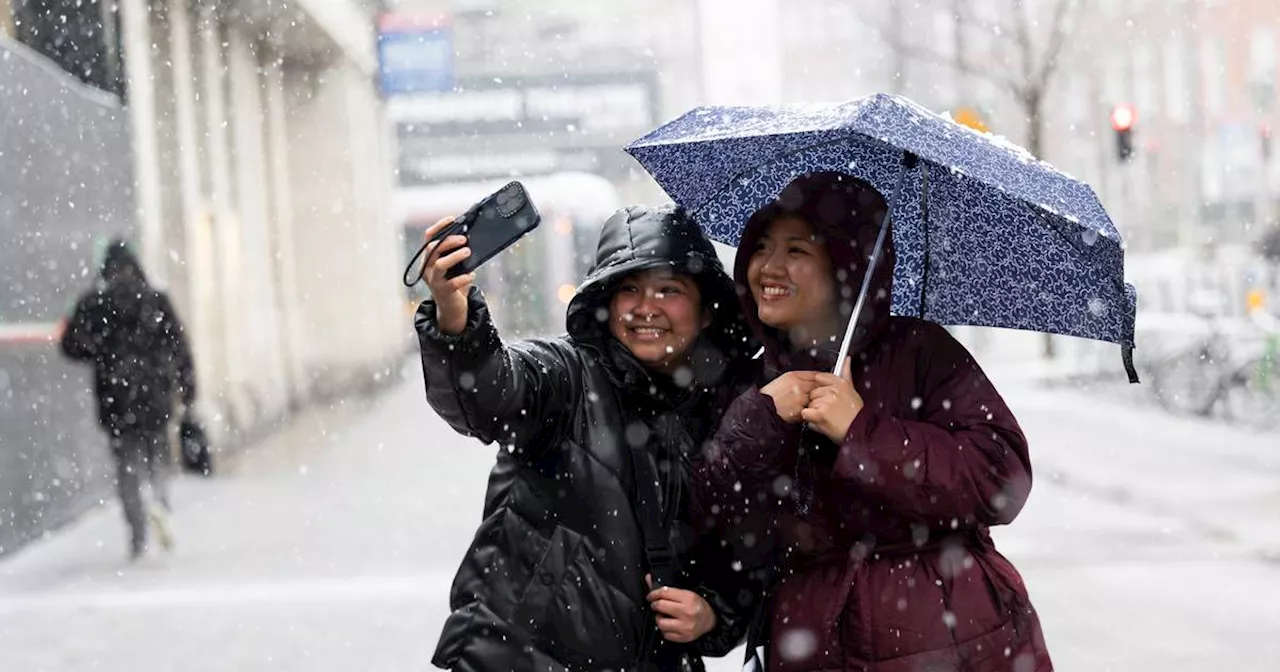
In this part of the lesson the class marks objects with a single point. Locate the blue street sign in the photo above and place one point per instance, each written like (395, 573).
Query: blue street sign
(414, 57)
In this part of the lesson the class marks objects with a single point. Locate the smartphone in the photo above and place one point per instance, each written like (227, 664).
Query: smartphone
(491, 226)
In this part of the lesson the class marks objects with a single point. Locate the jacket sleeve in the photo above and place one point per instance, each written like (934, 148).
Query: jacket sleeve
(516, 394)
(732, 590)
(737, 472)
(175, 339)
(962, 459)
(78, 340)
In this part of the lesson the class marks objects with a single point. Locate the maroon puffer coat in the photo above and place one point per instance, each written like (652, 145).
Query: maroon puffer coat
(891, 567)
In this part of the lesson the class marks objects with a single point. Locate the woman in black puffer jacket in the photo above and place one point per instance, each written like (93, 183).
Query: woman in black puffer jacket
(556, 576)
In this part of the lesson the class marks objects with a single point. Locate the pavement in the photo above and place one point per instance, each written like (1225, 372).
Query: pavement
(1149, 543)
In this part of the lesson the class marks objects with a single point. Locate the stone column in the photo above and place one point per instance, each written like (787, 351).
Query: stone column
(140, 75)
(282, 233)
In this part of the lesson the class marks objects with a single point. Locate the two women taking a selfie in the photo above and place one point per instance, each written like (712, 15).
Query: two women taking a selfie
(662, 493)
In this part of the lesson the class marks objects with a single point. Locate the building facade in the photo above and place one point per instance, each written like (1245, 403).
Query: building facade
(241, 146)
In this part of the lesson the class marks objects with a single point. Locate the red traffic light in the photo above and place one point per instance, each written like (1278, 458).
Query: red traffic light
(1122, 117)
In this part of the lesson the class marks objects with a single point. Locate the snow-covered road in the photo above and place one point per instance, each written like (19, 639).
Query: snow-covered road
(1149, 543)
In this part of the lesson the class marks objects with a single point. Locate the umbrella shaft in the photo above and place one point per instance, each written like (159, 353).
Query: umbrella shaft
(908, 160)
(862, 295)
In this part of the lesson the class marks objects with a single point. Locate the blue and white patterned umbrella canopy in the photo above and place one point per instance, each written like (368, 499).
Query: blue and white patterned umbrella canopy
(1010, 242)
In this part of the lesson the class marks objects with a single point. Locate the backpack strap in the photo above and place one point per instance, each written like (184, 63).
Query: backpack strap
(653, 513)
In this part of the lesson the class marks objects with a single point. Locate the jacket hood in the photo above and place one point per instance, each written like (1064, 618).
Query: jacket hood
(639, 238)
(121, 265)
(847, 212)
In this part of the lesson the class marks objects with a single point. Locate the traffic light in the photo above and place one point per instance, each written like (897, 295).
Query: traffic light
(1264, 134)
(1122, 119)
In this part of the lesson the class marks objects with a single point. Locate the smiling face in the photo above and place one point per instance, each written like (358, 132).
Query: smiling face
(657, 315)
(793, 283)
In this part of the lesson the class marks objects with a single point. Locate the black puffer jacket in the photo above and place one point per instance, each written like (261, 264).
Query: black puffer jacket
(554, 579)
(131, 334)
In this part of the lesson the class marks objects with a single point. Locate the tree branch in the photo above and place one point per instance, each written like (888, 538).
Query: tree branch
(1057, 40)
(927, 54)
(1026, 82)
(1022, 32)
(971, 20)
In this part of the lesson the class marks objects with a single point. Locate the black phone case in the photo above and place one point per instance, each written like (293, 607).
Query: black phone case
(491, 226)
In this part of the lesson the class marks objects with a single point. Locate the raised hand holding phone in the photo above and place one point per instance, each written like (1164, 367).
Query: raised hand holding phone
(450, 293)
(489, 227)
(456, 246)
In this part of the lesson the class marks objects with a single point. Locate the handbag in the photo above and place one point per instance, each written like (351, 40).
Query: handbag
(197, 457)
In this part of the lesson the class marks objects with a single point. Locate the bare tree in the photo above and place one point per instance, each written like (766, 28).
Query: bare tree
(1031, 60)
(1026, 53)
(896, 28)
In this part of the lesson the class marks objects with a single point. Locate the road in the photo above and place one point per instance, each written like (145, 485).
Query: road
(1149, 543)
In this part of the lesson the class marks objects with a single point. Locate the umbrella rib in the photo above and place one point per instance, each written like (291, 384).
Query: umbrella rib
(858, 135)
(773, 159)
(640, 144)
(924, 214)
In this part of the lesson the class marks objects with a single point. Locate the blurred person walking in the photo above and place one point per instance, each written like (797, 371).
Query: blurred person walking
(130, 333)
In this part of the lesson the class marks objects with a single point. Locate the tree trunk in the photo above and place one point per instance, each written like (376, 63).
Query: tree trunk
(1032, 101)
(899, 49)
(1035, 126)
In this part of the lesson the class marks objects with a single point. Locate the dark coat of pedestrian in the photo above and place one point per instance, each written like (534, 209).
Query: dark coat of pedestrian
(555, 578)
(142, 367)
(881, 484)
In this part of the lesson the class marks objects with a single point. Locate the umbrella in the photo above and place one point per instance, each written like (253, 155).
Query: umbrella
(985, 234)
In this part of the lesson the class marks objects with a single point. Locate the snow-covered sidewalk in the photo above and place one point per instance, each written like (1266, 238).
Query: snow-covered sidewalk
(331, 545)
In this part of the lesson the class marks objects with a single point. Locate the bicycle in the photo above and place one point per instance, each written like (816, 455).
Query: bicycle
(1189, 381)
(1211, 374)
(1253, 389)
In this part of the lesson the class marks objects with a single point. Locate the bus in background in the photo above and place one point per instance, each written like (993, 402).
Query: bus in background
(528, 286)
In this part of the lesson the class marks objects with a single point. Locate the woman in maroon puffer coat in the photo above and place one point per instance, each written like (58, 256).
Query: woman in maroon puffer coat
(873, 492)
